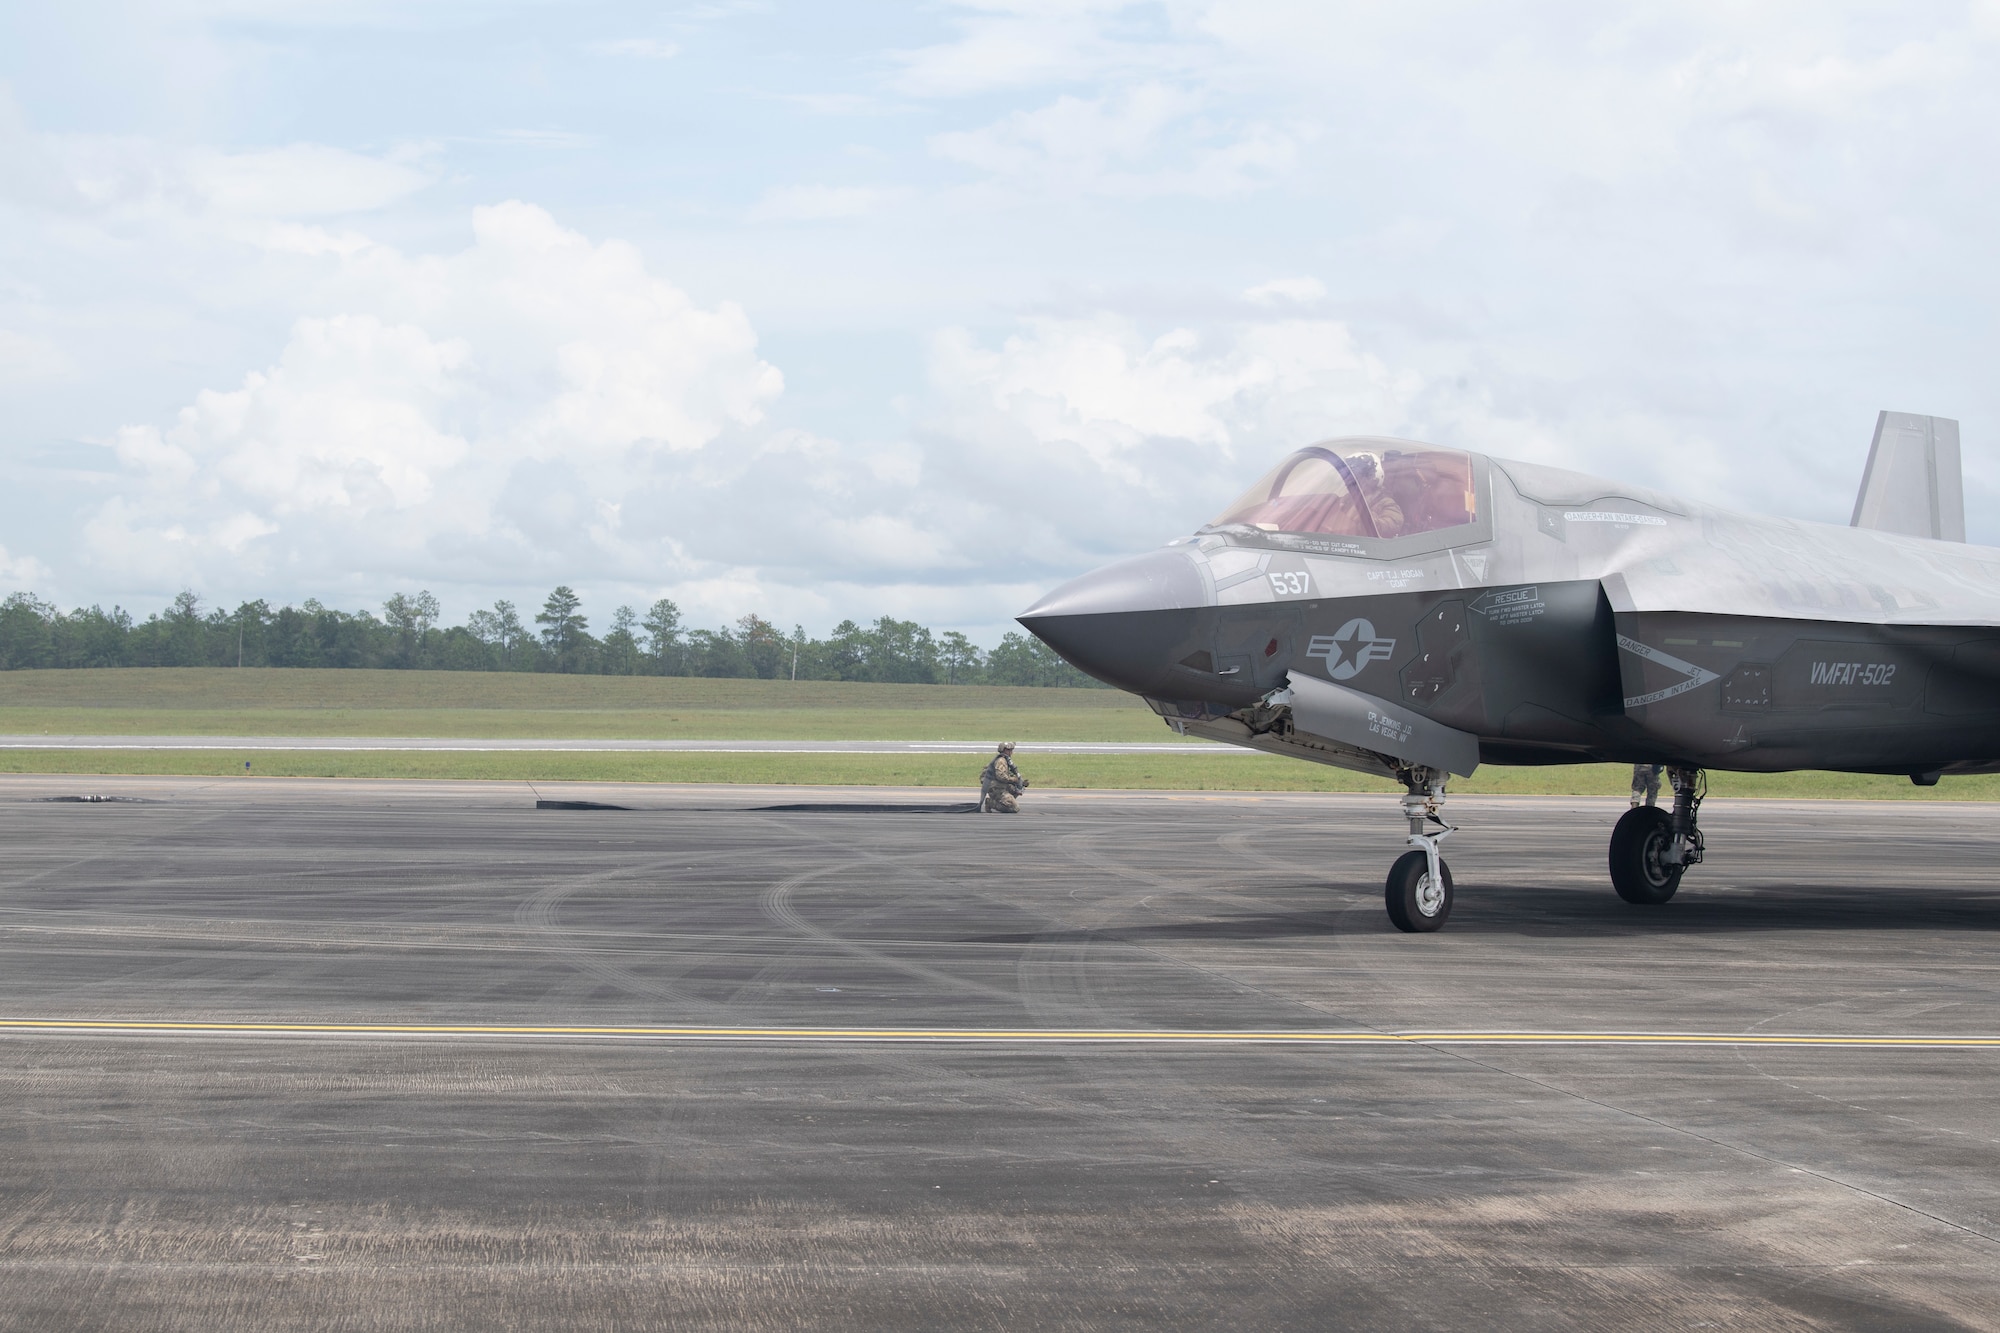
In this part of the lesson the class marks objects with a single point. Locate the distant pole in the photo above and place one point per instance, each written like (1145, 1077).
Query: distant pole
(795, 660)
(239, 643)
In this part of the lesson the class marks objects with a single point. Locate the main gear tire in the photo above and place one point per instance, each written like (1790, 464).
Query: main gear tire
(1415, 904)
(1639, 846)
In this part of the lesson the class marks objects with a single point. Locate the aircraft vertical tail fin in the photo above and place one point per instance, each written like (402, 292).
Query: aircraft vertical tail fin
(1912, 483)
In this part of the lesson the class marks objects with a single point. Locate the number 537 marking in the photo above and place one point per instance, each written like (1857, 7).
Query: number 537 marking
(1291, 584)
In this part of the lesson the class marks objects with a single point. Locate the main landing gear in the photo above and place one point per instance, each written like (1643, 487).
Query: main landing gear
(1419, 889)
(1650, 847)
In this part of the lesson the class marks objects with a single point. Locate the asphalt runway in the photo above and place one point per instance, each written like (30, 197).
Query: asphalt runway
(304, 1054)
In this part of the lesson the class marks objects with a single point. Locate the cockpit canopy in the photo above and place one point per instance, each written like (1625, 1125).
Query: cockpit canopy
(1361, 488)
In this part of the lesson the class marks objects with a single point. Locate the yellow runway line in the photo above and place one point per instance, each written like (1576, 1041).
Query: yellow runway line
(978, 1036)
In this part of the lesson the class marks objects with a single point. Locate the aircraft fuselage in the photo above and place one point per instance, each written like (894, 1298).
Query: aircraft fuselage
(1572, 620)
(1412, 611)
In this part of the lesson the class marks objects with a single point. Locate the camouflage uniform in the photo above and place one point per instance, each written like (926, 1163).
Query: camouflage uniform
(1645, 784)
(999, 785)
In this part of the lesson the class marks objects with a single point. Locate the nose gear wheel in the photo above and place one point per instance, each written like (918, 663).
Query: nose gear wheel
(1418, 893)
(1417, 903)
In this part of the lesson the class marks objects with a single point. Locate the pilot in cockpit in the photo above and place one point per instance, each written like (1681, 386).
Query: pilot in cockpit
(1362, 489)
(1385, 511)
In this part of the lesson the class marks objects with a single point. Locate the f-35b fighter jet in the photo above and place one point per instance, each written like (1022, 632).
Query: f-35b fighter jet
(1414, 611)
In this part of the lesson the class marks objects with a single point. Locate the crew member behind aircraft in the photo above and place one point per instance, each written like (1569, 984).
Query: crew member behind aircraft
(1001, 783)
(1645, 784)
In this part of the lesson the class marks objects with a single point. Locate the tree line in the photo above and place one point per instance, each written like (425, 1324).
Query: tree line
(35, 633)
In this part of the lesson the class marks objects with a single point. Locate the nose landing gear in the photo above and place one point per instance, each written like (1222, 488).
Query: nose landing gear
(1418, 893)
(1650, 848)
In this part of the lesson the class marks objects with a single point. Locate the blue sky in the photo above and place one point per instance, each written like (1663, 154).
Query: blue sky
(829, 310)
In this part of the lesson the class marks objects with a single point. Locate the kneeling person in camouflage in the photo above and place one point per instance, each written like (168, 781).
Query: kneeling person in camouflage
(1001, 783)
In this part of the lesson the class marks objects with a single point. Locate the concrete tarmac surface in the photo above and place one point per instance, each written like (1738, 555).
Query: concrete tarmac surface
(291, 1054)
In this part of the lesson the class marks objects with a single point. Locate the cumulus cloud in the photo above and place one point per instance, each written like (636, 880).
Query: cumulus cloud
(1695, 246)
(1063, 443)
(1094, 436)
(542, 406)
(349, 419)
(492, 404)
(22, 571)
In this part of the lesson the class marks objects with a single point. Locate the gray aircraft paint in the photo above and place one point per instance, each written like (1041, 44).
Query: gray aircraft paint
(1912, 483)
(1576, 620)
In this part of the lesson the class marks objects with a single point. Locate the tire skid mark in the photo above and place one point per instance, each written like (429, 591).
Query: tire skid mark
(1078, 848)
(1214, 972)
(777, 904)
(142, 833)
(1243, 843)
(1496, 1064)
(895, 865)
(1074, 848)
(529, 935)
(915, 1066)
(538, 913)
(1057, 980)
(784, 965)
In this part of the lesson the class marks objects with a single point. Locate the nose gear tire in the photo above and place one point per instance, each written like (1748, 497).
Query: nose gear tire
(1415, 904)
(1639, 845)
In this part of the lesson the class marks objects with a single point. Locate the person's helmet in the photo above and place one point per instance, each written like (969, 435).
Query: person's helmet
(1006, 747)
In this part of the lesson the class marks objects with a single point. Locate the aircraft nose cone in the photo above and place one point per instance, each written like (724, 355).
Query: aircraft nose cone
(1157, 581)
(1122, 623)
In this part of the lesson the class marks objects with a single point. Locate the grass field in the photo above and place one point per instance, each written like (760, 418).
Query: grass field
(1221, 772)
(196, 689)
(487, 705)
(172, 702)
